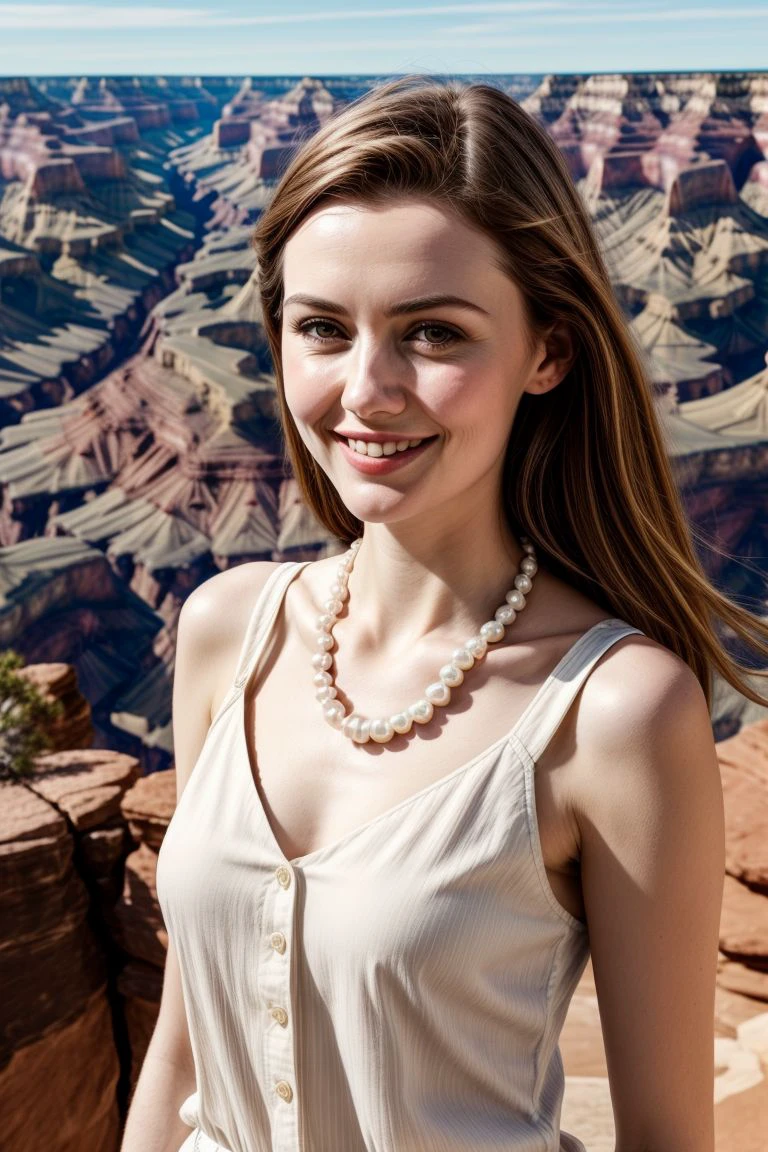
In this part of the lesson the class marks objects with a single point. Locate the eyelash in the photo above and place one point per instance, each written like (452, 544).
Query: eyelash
(303, 326)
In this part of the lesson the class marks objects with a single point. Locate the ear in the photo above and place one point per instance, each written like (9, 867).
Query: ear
(553, 357)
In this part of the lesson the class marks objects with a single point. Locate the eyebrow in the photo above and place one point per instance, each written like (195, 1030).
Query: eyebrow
(403, 308)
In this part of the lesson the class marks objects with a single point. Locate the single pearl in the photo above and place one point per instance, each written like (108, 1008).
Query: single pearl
(438, 693)
(326, 693)
(324, 640)
(523, 583)
(322, 679)
(478, 646)
(322, 660)
(361, 734)
(492, 631)
(333, 710)
(333, 606)
(357, 728)
(325, 622)
(516, 599)
(338, 591)
(422, 711)
(402, 722)
(506, 614)
(451, 675)
(381, 731)
(462, 658)
(529, 565)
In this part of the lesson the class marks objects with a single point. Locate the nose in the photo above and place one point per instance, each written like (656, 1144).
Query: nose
(375, 379)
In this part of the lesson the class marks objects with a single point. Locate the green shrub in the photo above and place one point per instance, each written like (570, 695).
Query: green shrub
(25, 715)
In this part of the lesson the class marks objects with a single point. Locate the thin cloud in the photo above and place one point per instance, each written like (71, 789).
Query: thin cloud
(657, 15)
(95, 18)
(84, 17)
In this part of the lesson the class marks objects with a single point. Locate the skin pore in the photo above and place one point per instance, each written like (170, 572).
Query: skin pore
(437, 557)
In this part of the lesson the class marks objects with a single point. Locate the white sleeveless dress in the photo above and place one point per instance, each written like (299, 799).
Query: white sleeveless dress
(400, 990)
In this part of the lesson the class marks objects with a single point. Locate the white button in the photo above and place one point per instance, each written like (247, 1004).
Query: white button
(280, 1015)
(277, 940)
(283, 875)
(284, 1090)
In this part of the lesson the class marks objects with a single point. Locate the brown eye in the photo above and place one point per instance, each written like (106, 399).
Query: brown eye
(307, 324)
(449, 332)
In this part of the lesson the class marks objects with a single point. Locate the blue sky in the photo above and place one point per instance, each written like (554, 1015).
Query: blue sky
(305, 37)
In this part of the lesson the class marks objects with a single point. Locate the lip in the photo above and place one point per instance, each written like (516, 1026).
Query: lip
(382, 465)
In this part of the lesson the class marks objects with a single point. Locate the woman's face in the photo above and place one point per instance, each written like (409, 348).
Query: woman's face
(362, 357)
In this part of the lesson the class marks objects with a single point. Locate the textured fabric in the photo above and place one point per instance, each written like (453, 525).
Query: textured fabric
(400, 990)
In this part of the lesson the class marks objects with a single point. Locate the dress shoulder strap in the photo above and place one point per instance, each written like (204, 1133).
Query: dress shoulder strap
(545, 713)
(257, 629)
(263, 617)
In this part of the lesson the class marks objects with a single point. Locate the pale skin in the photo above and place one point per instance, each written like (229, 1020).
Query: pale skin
(628, 791)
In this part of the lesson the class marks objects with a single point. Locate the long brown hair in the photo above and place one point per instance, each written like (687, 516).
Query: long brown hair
(586, 474)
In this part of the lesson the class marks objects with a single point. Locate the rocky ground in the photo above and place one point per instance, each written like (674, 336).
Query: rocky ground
(741, 1065)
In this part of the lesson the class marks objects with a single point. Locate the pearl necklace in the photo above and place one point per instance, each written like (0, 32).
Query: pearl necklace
(359, 728)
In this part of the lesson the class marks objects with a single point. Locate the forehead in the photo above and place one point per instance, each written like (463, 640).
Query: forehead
(404, 239)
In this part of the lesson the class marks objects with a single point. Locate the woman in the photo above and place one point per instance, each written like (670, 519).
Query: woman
(380, 896)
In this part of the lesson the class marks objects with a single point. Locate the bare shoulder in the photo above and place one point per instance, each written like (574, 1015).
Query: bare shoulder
(218, 607)
(212, 625)
(634, 690)
(642, 730)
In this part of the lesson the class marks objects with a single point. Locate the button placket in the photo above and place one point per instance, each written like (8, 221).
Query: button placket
(275, 986)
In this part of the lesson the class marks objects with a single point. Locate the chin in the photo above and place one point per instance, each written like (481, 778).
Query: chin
(371, 512)
(374, 515)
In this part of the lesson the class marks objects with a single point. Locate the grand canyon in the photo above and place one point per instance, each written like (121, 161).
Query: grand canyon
(140, 454)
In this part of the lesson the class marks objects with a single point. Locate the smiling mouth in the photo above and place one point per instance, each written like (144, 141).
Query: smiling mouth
(376, 449)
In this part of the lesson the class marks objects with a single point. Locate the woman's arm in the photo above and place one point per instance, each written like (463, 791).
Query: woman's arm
(167, 1073)
(651, 817)
(209, 635)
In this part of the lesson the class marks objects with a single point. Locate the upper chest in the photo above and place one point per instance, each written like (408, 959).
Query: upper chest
(316, 787)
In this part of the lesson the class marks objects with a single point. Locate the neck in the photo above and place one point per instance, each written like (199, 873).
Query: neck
(434, 580)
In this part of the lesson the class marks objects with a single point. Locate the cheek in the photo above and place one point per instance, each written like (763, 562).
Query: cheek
(306, 394)
(477, 405)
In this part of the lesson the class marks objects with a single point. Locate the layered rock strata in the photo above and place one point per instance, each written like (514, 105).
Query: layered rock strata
(89, 236)
(232, 170)
(63, 842)
(172, 465)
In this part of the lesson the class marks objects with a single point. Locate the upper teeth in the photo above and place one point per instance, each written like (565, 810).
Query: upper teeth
(368, 448)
